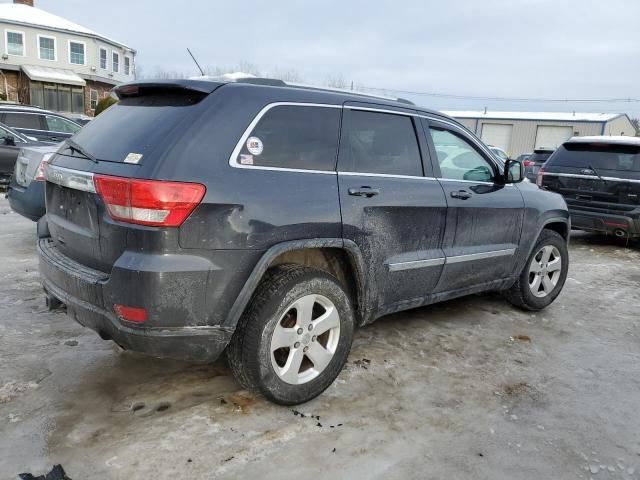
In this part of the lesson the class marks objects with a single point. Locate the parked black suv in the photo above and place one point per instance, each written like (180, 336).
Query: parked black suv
(599, 178)
(269, 220)
(43, 125)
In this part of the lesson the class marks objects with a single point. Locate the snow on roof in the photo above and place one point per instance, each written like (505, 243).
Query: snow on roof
(553, 116)
(54, 75)
(26, 15)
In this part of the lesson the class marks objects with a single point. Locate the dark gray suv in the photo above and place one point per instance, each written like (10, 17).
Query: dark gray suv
(268, 221)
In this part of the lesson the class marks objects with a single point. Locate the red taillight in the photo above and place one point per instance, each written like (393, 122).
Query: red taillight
(528, 163)
(130, 314)
(540, 176)
(40, 171)
(148, 202)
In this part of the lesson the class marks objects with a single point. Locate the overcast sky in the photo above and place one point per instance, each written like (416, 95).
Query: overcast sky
(486, 48)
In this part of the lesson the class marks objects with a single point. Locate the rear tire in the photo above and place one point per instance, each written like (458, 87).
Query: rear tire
(294, 338)
(544, 274)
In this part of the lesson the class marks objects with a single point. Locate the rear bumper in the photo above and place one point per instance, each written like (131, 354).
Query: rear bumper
(29, 201)
(606, 222)
(84, 290)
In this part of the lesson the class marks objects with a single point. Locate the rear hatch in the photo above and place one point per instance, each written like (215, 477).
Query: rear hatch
(595, 174)
(89, 189)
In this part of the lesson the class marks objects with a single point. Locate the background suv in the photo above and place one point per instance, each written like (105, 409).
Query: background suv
(268, 221)
(35, 122)
(534, 162)
(599, 178)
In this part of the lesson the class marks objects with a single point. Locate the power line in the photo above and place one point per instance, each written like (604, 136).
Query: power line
(503, 99)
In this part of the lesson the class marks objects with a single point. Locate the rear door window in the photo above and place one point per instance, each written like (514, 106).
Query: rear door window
(619, 158)
(381, 143)
(294, 137)
(23, 120)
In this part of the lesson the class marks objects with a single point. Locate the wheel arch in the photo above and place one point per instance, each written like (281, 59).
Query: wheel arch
(341, 258)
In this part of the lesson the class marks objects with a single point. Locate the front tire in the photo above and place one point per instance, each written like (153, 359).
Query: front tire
(544, 274)
(294, 338)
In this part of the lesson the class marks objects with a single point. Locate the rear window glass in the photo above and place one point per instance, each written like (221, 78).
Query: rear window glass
(539, 157)
(136, 125)
(382, 143)
(598, 156)
(23, 120)
(297, 137)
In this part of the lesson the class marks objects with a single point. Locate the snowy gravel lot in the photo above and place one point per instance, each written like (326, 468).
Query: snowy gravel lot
(470, 388)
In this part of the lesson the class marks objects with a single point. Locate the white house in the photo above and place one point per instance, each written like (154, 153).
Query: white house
(56, 64)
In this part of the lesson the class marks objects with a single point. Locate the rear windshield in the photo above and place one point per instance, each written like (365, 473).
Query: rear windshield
(539, 157)
(599, 156)
(134, 126)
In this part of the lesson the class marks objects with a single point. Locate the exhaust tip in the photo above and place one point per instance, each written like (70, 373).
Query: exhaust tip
(620, 233)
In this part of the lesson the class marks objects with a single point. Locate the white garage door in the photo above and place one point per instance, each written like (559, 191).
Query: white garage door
(498, 135)
(550, 138)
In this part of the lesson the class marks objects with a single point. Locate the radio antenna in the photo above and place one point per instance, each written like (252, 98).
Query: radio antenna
(196, 62)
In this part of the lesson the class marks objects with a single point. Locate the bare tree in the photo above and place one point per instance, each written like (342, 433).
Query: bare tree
(337, 81)
(287, 75)
(636, 124)
(243, 66)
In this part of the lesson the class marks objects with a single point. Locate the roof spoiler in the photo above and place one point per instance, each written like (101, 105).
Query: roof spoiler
(132, 88)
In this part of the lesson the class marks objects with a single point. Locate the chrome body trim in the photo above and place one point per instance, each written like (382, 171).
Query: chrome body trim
(592, 177)
(431, 262)
(69, 178)
(384, 175)
(481, 255)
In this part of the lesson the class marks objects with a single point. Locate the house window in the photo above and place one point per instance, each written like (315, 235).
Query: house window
(103, 58)
(47, 48)
(116, 62)
(59, 98)
(127, 65)
(15, 43)
(93, 99)
(76, 53)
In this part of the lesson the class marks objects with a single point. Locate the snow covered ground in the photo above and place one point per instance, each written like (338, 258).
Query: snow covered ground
(466, 389)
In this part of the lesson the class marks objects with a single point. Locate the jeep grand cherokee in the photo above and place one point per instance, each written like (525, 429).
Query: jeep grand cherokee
(267, 221)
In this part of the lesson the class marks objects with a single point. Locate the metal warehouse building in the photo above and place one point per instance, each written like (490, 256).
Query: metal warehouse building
(522, 132)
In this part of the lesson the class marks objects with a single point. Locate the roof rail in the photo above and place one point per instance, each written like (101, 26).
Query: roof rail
(350, 92)
(239, 77)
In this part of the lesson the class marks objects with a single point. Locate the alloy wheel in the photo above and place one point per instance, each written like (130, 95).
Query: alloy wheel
(305, 339)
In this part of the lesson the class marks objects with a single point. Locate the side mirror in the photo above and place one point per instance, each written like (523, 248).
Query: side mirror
(513, 171)
(8, 140)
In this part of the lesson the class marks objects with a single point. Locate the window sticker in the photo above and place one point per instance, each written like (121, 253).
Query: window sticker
(246, 159)
(254, 145)
(133, 158)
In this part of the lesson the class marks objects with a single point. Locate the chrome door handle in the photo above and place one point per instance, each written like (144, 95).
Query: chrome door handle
(461, 194)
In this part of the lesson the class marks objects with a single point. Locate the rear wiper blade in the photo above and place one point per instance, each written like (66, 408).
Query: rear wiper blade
(73, 146)
(597, 174)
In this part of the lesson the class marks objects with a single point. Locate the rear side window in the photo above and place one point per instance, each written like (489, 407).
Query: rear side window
(598, 156)
(23, 120)
(381, 143)
(296, 137)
